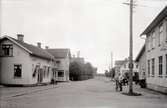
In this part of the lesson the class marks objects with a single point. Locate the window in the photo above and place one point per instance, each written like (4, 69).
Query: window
(61, 73)
(7, 50)
(48, 71)
(44, 71)
(166, 29)
(153, 67)
(57, 61)
(149, 43)
(148, 68)
(160, 40)
(17, 71)
(160, 66)
(166, 65)
(153, 39)
(136, 66)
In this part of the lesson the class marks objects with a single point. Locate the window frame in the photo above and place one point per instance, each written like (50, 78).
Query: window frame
(61, 71)
(148, 63)
(149, 43)
(160, 66)
(15, 75)
(152, 67)
(7, 50)
(161, 33)
(166, 65)
(153, 39)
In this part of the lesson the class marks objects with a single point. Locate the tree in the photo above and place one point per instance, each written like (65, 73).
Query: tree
(75, 70)
(80, 71)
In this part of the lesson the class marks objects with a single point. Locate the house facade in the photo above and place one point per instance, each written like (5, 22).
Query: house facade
(118, 64)
(124, 69)
(62, 61)
(22, 63)
(156, 52)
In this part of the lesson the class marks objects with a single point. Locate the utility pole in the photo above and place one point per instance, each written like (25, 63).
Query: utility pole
(131, 48)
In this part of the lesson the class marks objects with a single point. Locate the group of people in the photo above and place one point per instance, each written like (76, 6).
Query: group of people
(120, 81)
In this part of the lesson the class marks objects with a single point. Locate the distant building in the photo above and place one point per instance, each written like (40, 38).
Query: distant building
(22, 63)
(118, 64)
(62, 60)
(124, 69)
(156, 52)
(141, 60)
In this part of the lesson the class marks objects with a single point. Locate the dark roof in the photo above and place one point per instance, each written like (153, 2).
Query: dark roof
(59, 53)
(156, 21)
(140, 53)
(33, 50)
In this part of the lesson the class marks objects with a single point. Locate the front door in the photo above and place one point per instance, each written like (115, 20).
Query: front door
(40, 75)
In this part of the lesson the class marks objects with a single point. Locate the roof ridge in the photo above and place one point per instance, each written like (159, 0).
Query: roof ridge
(40, 52)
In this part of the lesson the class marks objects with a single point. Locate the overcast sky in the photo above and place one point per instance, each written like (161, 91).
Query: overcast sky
(94, 27)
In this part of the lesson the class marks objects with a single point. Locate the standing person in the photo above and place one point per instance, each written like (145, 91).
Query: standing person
(116, 81)
(120, 78)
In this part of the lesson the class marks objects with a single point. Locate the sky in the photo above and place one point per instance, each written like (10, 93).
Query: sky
(94, 27)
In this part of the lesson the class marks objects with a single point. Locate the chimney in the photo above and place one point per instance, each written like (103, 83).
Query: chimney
(39, 44)
(20, 37)
(46, 47)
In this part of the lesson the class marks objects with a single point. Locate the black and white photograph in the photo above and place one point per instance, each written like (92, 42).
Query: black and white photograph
(83, 53)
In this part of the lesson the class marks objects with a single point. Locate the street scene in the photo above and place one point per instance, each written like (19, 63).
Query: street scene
(94, 93)
(83, 53)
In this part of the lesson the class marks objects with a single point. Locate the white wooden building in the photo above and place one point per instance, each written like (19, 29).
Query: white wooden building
(62, 60)
(156, 52)
(22, 63)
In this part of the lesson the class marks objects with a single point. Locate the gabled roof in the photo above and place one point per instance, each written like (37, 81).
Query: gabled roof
(33, 50)
(140, 53)
(156, 21)
(59, 53)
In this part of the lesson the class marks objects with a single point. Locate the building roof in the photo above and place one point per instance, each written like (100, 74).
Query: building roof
(156, 21)
(59, 53)
(78, 59)
(119, 62)
(33, 50)
(140, 53)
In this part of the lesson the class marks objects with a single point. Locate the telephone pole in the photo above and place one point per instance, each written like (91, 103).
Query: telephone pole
(131, 48)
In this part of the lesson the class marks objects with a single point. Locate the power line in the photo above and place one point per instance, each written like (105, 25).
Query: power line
(141, 5)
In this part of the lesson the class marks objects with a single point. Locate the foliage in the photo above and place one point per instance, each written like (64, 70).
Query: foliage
(80, 71)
